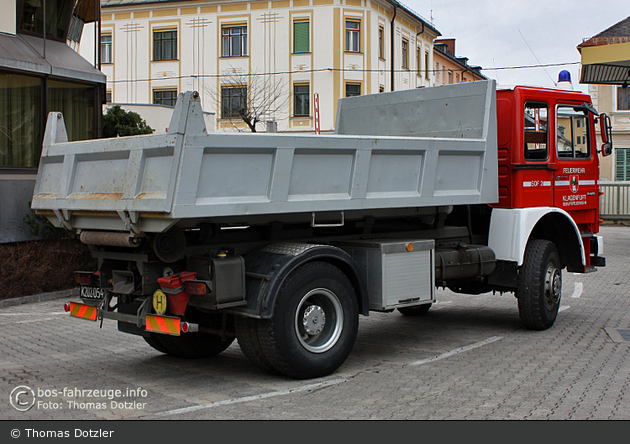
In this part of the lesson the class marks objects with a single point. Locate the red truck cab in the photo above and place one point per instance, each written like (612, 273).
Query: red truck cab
(547, 154)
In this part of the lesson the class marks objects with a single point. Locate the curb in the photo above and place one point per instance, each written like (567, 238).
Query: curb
(38, 298)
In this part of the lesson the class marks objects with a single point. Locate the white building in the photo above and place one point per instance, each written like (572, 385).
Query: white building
(240, 53)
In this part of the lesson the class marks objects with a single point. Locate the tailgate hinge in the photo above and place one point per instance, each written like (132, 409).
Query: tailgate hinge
(130, 219)
(64, 218)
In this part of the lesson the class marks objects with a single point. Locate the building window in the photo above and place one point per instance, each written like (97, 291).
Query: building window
(418, 61)
(301, 37)
(108, 96)
(381, 42)
(301, 100)
(58, 16)
(426, 65)
(234, 41)
(622, 163)
(166, 97)
(77, 104)
(352, 35)
(233, 101)
(75, 30)
(405, 54)
(623, 99)
(20, 120)
(164, 45)
(353, 89)
(106, 48)
(450, 77)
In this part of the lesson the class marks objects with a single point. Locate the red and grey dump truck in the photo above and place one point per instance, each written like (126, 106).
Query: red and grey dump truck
(281, 241)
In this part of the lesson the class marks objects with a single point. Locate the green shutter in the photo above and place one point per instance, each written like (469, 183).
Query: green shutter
(301, 37)
(622, 164)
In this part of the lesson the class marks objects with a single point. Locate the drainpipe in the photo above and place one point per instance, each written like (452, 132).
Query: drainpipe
(393, 33)
(97, 35)
(44, 30)
(420, 32)
(417, 34)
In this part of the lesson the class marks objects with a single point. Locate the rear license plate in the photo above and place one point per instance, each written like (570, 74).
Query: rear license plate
(92, 292)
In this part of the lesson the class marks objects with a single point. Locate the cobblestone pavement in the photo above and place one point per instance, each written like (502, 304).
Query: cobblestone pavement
(469, 358)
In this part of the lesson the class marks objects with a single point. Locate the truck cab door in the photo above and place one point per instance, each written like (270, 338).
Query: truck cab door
(533, 172)
(576, 188)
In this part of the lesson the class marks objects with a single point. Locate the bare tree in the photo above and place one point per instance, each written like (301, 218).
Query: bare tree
(251, 98)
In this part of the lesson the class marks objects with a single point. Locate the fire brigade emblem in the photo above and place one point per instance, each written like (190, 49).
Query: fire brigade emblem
(573, 183)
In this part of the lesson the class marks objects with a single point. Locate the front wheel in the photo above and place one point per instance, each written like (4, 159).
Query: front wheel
(315, 322)
(539, 285)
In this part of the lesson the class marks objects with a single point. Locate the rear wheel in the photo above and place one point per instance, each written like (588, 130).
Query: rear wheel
(539, 285)
(418, 310)
(315, 322)
(153, 340)
(247, 335)
(190, 345)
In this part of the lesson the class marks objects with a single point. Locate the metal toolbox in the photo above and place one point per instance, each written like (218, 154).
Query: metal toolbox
(399, 273)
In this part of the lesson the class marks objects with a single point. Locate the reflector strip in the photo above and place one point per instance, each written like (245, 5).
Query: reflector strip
(163, 324)
(83, 311)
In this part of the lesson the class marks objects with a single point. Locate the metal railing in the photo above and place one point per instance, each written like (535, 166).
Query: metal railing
(614, 204)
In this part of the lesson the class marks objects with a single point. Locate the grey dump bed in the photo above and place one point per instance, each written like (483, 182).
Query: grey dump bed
(417, 148)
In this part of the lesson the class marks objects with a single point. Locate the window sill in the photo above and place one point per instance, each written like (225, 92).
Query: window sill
(234, 57)
(301, 53)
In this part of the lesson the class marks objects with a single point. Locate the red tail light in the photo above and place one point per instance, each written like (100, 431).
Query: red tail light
(84, 277)
(195, 287)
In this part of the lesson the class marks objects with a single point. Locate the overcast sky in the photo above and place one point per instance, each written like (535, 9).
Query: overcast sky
(509, 33)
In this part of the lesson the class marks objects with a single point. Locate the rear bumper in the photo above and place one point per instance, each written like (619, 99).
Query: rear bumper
(142, 320)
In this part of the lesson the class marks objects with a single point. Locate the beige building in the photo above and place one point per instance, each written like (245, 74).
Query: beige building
(269, 57)
(615, 101)
(448, 68)
(606, 69)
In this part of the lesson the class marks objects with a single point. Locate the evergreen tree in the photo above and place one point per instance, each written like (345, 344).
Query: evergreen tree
(118, 122)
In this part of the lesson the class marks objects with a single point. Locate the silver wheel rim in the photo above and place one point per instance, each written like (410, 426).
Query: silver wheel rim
(319, 320)
(553, 287)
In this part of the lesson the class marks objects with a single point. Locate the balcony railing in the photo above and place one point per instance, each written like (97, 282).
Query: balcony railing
(614, 204)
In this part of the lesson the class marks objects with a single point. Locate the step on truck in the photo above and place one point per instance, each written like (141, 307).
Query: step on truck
(282, 241)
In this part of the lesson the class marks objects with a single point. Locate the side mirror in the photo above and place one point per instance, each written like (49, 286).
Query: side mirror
(606, 132)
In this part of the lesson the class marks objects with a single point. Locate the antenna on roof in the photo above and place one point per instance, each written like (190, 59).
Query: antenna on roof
(539, 62)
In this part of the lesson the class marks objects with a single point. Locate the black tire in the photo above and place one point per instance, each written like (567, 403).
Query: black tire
(418, 310)
(295, 341)
(247, 336)
(539, 285)
(153, 340)
(192, 345)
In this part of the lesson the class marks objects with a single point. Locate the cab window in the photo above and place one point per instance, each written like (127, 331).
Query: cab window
(536, 119)
(572, 133)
